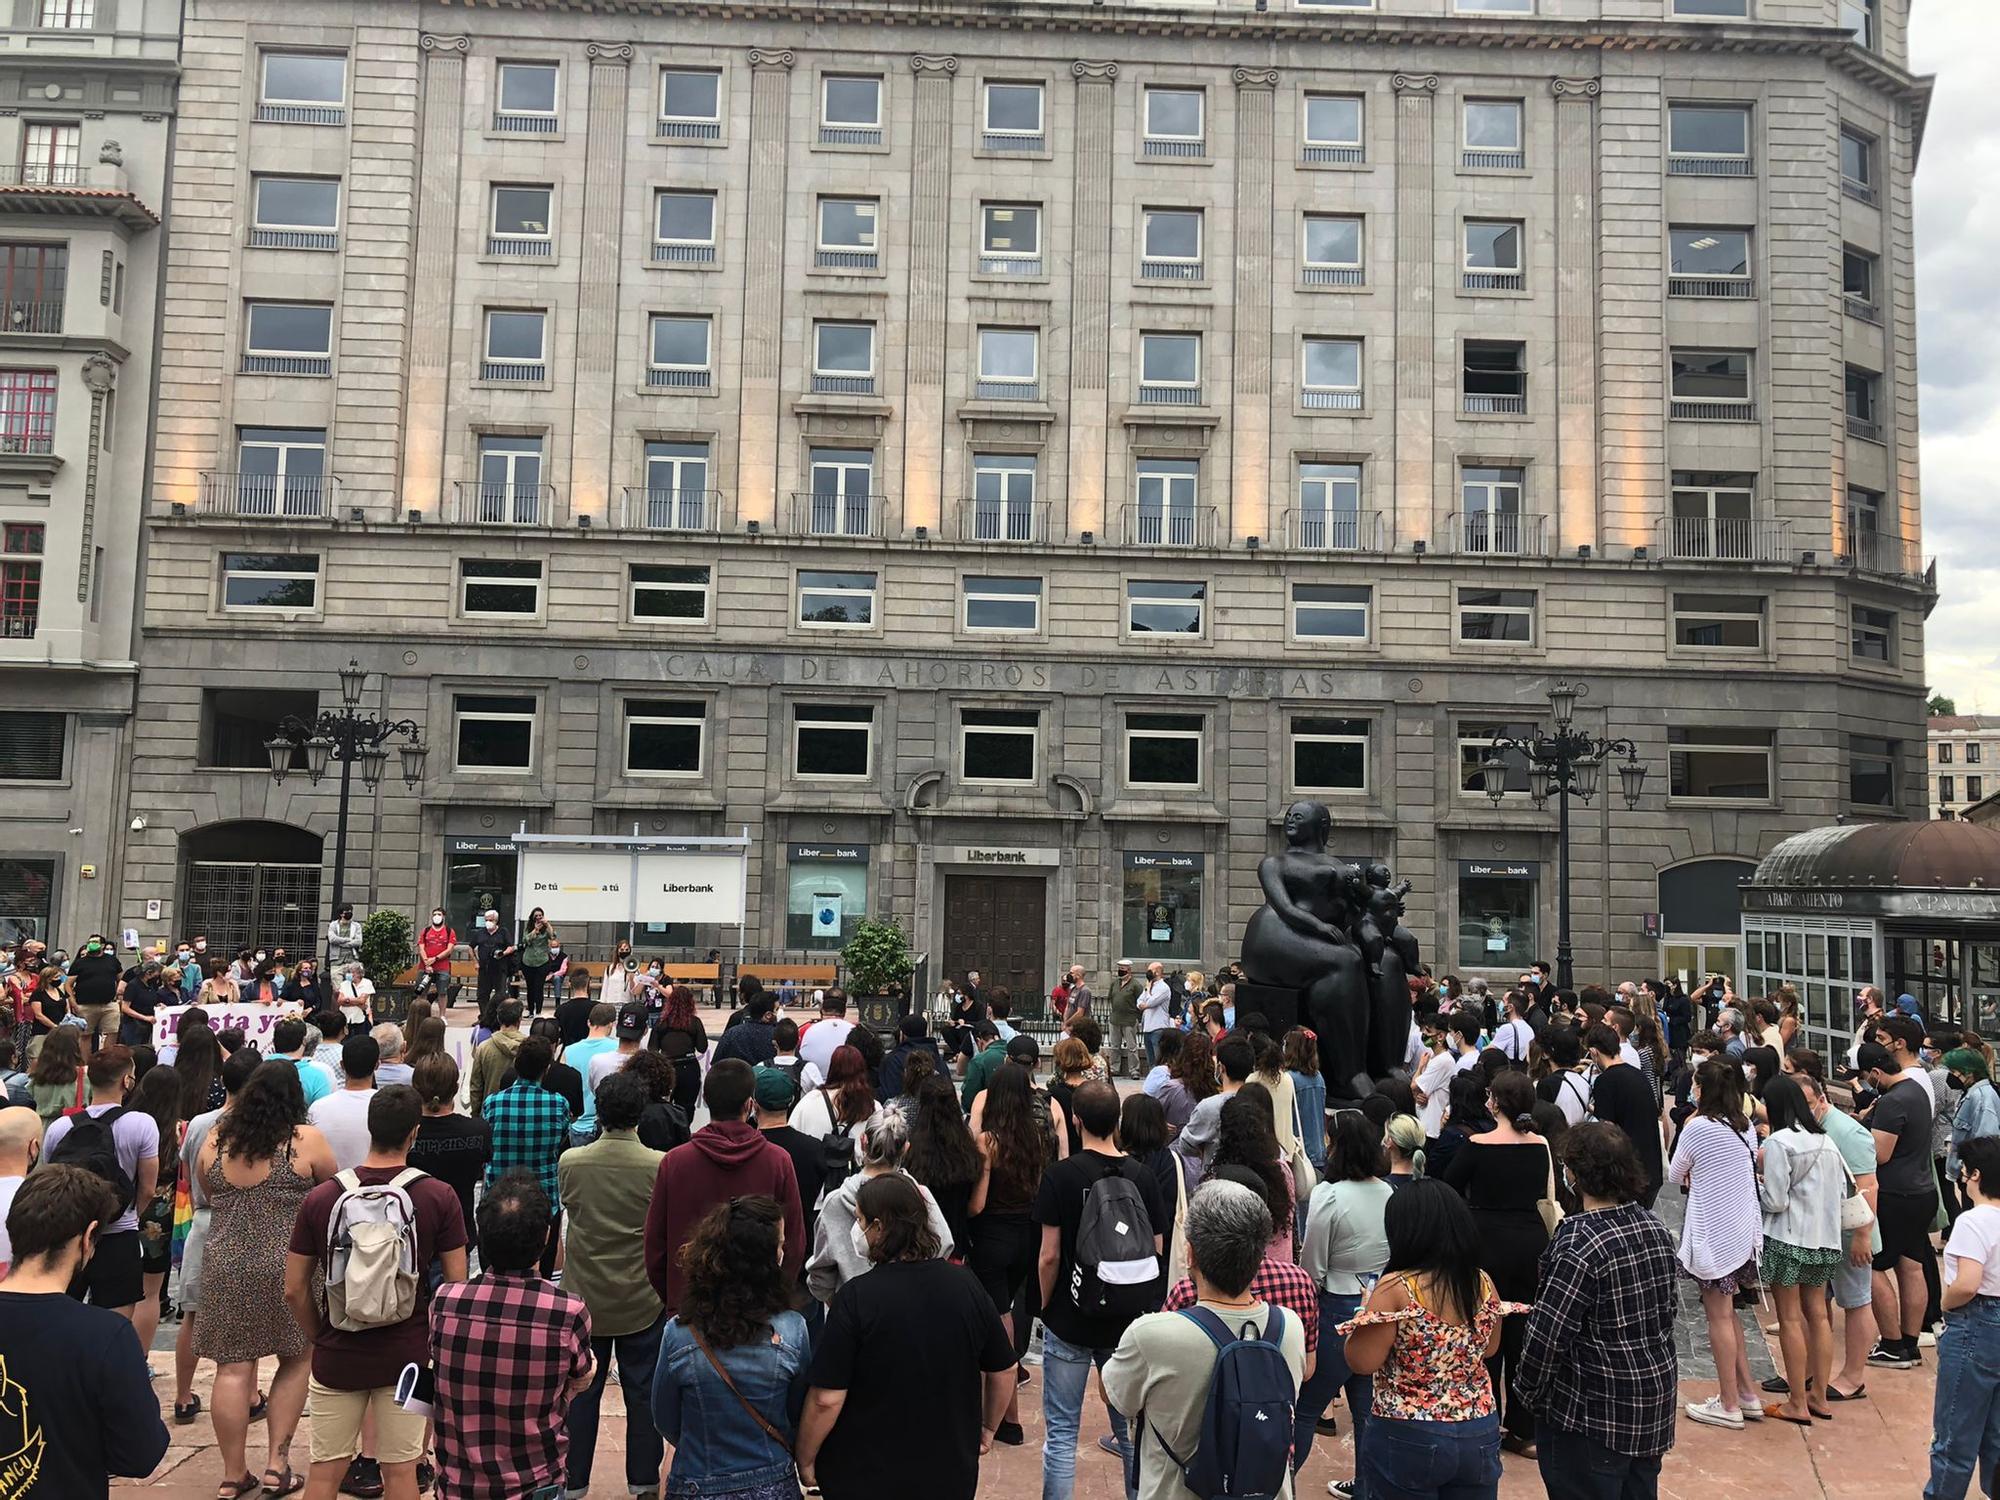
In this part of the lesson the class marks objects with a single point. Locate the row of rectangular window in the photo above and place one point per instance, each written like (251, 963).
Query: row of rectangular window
(1973, 752)
(1975, 789)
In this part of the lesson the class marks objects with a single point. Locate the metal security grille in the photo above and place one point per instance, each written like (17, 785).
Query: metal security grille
(247, 904)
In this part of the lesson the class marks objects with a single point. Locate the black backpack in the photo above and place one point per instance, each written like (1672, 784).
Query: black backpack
(91, 1143)
(1116, 1271)
(838, 1148)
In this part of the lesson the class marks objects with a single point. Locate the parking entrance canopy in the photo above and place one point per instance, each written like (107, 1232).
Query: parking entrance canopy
(607, 878)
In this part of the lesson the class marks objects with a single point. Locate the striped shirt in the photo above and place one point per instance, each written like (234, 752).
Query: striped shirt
(1725, 1222)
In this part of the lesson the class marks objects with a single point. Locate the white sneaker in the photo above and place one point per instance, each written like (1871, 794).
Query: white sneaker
(1712, 1413)
(1342, 1488)
(1927, 1340)
(1752, 1408)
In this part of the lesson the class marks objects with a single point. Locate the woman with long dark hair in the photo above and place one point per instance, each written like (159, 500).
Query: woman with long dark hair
(1801, 1184)
(1301, 1053)
(943, 1158)
(682, 1040)
(418, 1013)
(55, 1081)
(158, 1096)
(1190, 1080)
(1715, 1160)
(1247, 1139)
(198, 1065)
(256, 1167)
(1013, 1153)
(841, 1106)
(663, 1124)
(733, 1359)
(1345, 1249)
(1142, 1135)
(1428, 1336)
(426, 1040)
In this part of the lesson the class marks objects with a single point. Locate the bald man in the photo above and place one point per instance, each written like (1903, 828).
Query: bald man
(20, 1145)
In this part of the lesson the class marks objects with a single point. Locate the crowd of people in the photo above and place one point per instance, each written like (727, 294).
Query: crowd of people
(801, 1243)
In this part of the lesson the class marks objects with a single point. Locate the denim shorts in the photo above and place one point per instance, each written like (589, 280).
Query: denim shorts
(1853, 1286)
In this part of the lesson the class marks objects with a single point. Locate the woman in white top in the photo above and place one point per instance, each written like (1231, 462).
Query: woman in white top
(1431, 1088)
(1344, 1250)
(1801, 1182)
(1715, 1159)
(839, 1254)
(845, 1103)
(1967, 1383)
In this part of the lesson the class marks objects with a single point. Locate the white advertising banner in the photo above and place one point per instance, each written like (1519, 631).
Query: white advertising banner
(691, 888)
(573, 885)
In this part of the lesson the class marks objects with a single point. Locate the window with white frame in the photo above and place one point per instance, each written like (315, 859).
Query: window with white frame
(1331, 611)
(516, 345)
(1494, 135)
(509, 491)
(1170, 244)
(844, 358)
(1165, 606)
(1872, 634)
(1863, 395)
(493, 733)
(841, 501)
(684, 226)
(1497, 615)
(1857, 164)
(836, 601)
(1166, 513)
(999, 745)
(1164, 750)
(1705, 261)
(833, 741)
(51, 153)
(1010, 239)
(1333, 128)
(1170, 369)
(1330, 374)
(1475, 744)
(670, 593)
(1331, 250)
(288, 338)
(269, 581)
(280, 471)
(295, 213)
(690, 104)
(524, 100)
(1174, 122)
(677, 495)
(663, 737)
(1004, 508)
(303, 88)
(1009, 360)
(1003, 604)
(1491, 518)
(499, 587)
(1719, 622)
(68, 15)
(1712, 514)
(678, 351)
(1011, 117)
(1858, 283)
(1708, 140)
(850, 110)
(521, 218)
(1495, 377)
(847, 234)
(1493, 256)
(1711, 385)
(1862, 17)
(1329, 514)
(1329, 754)
(1718, 764)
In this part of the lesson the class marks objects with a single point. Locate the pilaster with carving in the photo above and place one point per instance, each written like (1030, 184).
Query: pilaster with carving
(1420, 467)
(1577, 378)
(597, 332)
(1249, 457)
(763, 312)
(443, 95)
(1090, 290)
(930, 228)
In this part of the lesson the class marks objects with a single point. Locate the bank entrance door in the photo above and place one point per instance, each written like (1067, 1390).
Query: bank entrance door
(994, 923)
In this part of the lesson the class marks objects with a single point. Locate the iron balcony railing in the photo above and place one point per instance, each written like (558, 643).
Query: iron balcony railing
(520, 247)
(1000, 141)
(19, 626)
(1863, 428)
(1170, 395)
(482, 502)
(505, 123)
(1724, 539)
(688, 130)
(1481, 404)
(844, 385)
(1882, 554)
(1708, 166)
(1332, 153)
(1007, 390)
(31, 317)
(846, 260)
(1737, 287)
(1334, 530)
(684, 255)
(1860, 192)
(850, 135)
(1315, 399)
(17, 442)
(1154, 146)
(1479, 160)
(1002, 521)
(1010, 265)
(1170, 270)
(1493, 281)
(294, 239)
(1866, 312)
(287, 497)
(1499, 533)
(1332, 275)
(302, 114)
(1721, 409)
(1166, 526)
(821, 513)
(671, 510)
(679, 380)
(287, 364)
(512, 372)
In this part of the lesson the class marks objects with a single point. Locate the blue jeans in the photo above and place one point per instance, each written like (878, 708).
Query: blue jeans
(1330, 1375)
(1965, 1417)
(1575, 1467)
(638, 1355)
(1402, 1459)
(1152, 1041)
(1065, 1374)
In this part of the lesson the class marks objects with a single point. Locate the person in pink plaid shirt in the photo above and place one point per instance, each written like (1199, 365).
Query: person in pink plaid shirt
(510, 1351)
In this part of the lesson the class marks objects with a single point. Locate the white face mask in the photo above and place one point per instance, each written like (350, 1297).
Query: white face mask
(1749, 1072)
(858, 1238)
(492, 926)
(201, 947)
(437, 919)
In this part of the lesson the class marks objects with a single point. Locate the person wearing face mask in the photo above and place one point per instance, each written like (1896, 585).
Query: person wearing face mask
(343, 940)
(192, 956)
(536, 936)
(840, 1250)
(493, 954)
(617, 988)
(307, 989)
(95, 985)
(434, 945)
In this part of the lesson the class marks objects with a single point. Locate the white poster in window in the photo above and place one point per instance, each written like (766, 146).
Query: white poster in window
(691, 888)
(826, 913)
(577, 885)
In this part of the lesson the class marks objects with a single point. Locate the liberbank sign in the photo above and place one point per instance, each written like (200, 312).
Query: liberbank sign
(1964, 906)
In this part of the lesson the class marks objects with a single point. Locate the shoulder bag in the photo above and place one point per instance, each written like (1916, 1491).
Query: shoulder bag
(755, 1415)
(1548, 1206)
(1854, 1210)
(1304, 1178)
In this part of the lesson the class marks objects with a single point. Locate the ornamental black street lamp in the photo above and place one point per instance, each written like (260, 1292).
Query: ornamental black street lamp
(1561, 763)
(354, 739)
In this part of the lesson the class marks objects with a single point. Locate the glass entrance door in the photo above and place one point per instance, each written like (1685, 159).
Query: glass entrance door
(1693, 959)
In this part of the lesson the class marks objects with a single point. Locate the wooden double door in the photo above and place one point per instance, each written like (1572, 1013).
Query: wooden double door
(997, 925)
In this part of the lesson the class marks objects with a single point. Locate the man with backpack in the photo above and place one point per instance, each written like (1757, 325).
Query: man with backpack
(373, 1234)
(122, 1148)
(1210, 1390)
(1102, 1266)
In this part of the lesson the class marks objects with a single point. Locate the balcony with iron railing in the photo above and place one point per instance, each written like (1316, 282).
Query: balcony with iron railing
(843, 385)
(649, 509)
(1170, 270)
(31, 317)
(506, 122)
(1724, 539)
(820, 513)
(1010, 265)
(1335, 530)
(683, 255)
(846, 260)
(1865, 428)
(1494, 404)
(1860, 192)
(1001, 523)
(850, 135)
(301, 114)
(1863, 311)
(512, 372)
(26, 442)
(1708, 166)
(280, 497)
(19, 625)
(1480, 160)
(1167, 526)
(1332, 275)
(687, 130)
(1493, 281)
(1489, 533)
(679, 380)
(1350, 154)
(318, 365)
(1734, 288)
(1169, 395)
(1169, 147)
(1880, 554)
(1002, 141)
(1007, 390)
(1315, 398)
(294, 239)
(520, 247)
(483, 502)
(1711, 409)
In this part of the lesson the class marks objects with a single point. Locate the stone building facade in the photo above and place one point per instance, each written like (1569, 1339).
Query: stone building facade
(1964, 755)
(87, 91)
(1000, 463)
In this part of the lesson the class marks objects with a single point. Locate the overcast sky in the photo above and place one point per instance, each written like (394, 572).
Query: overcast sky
(1958, 332)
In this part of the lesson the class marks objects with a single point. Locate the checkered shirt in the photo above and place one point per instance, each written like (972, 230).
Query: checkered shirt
(530, 1127)
(506, 1346)
(1277, 1282)
(1599, 1355)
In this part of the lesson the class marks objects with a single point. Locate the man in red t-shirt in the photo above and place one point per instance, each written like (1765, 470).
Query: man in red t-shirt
(434, 945)
(354, 1372)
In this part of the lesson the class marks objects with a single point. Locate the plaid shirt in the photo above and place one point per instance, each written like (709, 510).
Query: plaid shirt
(507, 1347)
(1276, 1281)
(530, 1128)
(1599, 1355)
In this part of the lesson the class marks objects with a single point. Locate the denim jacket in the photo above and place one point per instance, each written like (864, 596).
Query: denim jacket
(1978, 1114)
(718, 1448)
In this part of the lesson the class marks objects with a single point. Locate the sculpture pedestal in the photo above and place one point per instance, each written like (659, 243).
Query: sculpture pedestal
(1276, 1004)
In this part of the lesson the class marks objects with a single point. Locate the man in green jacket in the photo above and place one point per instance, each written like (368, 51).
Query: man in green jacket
(1125, 992)
(606, 1187)
(985, 1062)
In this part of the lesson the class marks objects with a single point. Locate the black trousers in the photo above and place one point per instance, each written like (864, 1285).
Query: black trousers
(536, 975)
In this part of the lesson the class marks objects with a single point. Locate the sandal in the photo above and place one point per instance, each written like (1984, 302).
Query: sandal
(1817, 1414)
(288, 1483)
(184, 1414)
(1779, 1413)
(1835, 1393)
(236, 1489)
(257, 1409)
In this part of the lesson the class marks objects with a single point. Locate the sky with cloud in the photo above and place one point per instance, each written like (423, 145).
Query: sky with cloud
(1958, 315)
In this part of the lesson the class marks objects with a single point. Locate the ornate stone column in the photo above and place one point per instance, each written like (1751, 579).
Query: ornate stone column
(1090, 298)
(443, 94)
(763, 287)
(99, 376)
(1417, 460)
(596, 399)
(1577, 383)
(930, 226)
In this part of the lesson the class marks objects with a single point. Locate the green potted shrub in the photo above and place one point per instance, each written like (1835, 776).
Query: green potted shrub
(877, 956)
(385, 953)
